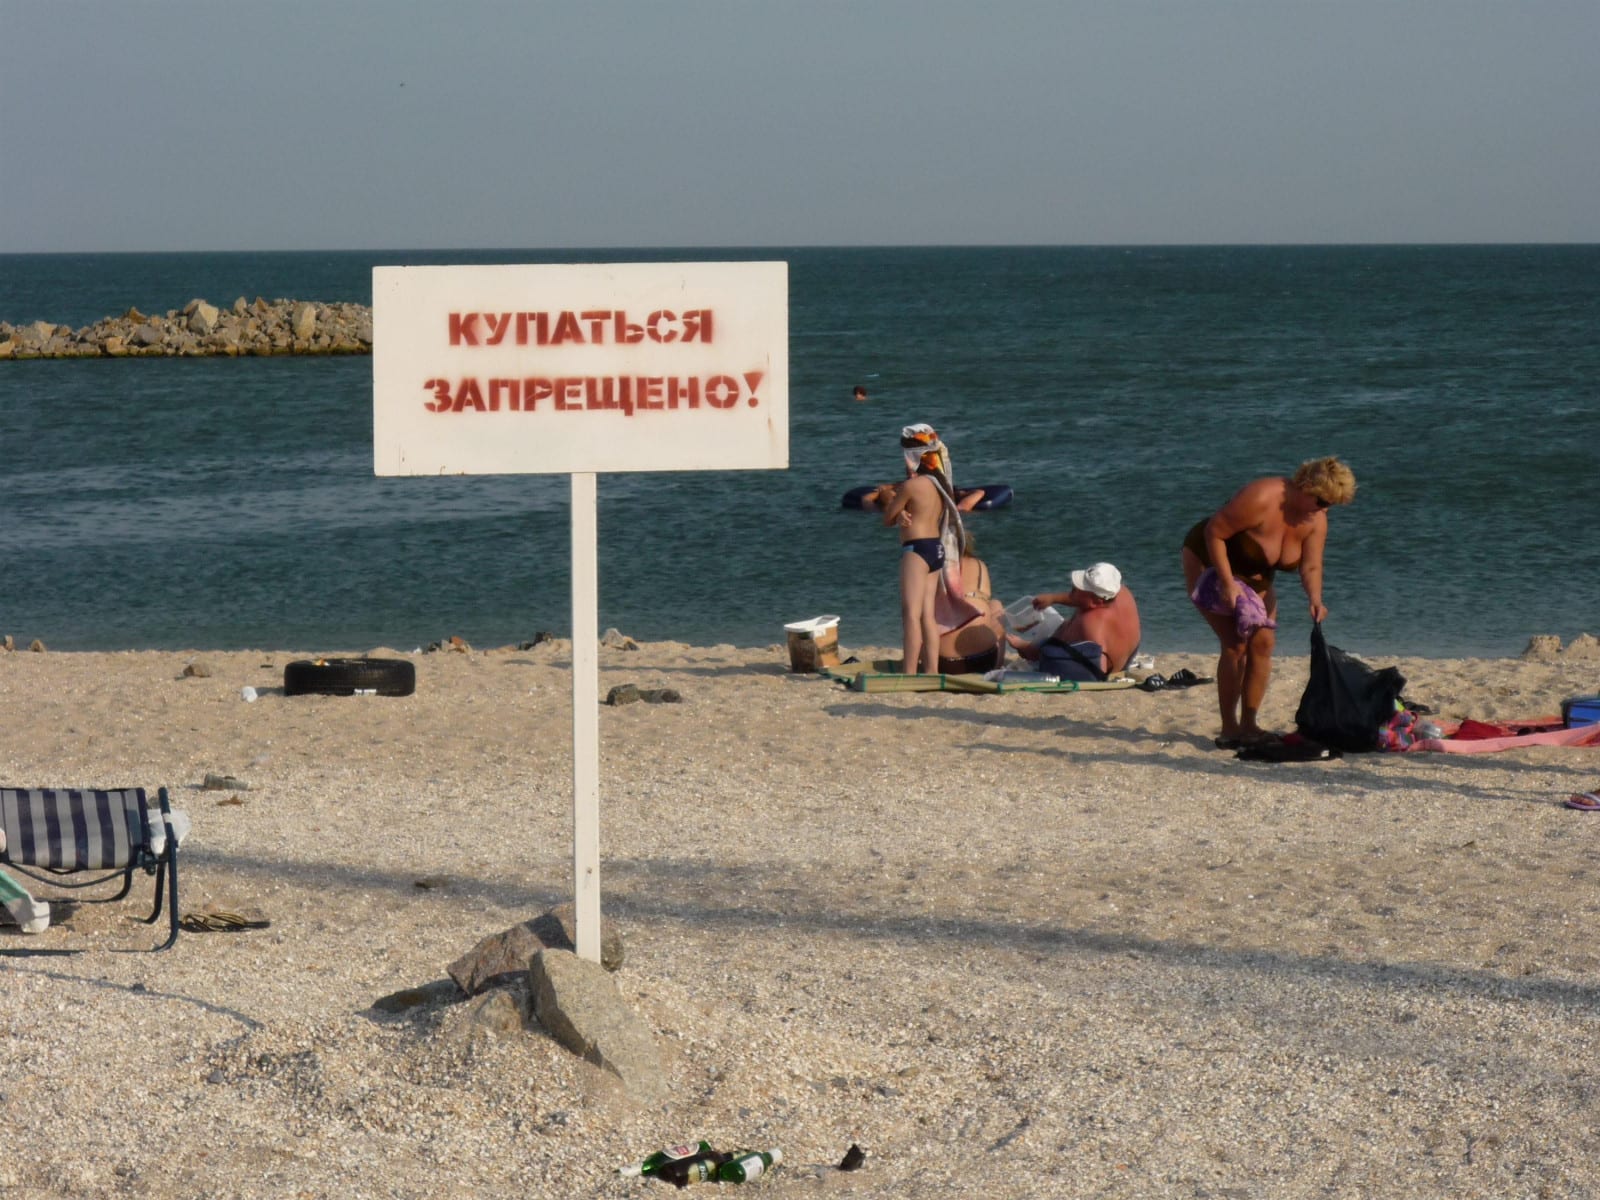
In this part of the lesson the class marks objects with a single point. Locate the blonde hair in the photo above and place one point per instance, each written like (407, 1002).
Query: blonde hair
(1327, 479)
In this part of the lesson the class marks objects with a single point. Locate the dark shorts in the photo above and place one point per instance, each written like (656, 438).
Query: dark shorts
(1056, 658)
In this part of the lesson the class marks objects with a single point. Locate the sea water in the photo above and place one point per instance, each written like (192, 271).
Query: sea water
(1123, 393)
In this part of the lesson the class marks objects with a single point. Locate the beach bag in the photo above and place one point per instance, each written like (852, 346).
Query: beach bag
(1079, 661)
(1346, 702)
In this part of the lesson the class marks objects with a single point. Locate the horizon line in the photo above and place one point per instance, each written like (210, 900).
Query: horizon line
(756, 248)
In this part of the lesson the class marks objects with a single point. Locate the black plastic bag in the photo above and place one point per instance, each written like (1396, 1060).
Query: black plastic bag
(1346, 702)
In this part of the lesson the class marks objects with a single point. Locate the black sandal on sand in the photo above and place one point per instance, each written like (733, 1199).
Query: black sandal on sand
(219, 922)
(1263, 738)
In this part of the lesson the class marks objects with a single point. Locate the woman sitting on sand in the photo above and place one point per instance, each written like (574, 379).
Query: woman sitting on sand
(1229, 562)
(971, 640)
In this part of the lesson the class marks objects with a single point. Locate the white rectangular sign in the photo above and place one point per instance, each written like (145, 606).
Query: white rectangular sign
(580, 367)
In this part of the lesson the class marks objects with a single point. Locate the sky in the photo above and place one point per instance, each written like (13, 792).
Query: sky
(388, 124)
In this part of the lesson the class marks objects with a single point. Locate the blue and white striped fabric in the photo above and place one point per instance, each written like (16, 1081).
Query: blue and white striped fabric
(75, 829)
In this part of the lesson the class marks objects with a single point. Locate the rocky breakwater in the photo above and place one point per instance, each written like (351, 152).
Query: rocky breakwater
(200, 329)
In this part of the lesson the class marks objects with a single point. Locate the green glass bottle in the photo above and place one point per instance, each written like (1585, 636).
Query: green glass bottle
(747, 1166)
(663, 1158)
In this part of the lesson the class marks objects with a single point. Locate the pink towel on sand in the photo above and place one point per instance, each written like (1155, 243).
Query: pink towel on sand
(1249, 613)
(1578, 735)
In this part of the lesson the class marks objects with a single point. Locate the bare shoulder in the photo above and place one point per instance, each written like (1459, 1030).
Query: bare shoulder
(1266, 489)
(1254, 500)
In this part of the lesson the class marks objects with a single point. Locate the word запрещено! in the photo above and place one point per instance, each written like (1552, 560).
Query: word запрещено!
(580, 393)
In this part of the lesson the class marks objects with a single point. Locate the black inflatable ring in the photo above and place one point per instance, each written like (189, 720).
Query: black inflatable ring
(995, 495)
(349, 676)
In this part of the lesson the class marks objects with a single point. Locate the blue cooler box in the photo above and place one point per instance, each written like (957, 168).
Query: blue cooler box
(1580, 710)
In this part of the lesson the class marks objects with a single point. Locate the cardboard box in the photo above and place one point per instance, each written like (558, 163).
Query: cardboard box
(813, 644)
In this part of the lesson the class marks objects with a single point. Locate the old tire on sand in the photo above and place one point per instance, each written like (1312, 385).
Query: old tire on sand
(348, 676)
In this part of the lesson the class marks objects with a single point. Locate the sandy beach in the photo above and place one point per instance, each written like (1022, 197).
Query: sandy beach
(1013, 945)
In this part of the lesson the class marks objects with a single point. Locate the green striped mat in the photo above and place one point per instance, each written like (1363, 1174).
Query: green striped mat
(879, 676)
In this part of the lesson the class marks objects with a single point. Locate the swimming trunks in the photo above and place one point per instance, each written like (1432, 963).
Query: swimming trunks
(929, 550)
(1246, 559)
(1079, 661)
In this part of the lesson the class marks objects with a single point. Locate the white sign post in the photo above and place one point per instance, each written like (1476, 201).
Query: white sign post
(578, 369)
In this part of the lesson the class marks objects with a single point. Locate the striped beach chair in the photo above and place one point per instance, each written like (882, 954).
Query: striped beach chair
(54, 833)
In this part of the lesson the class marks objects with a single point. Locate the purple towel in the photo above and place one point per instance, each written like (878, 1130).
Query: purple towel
(1249, 613)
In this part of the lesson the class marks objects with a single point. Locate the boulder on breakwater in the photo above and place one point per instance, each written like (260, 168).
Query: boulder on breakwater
(199, 329)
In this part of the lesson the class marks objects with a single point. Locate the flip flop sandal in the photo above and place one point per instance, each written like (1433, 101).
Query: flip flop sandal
(1226, 743)
(1584, 801)
(1264, 738)
(1183, 677)
(1152, 683)
(219, 922)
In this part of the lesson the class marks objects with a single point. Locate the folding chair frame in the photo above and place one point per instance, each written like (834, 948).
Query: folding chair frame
(140, 853)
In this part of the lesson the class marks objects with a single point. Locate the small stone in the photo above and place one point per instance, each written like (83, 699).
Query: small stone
(224, 783)
(623, 693)
(197, 670)
(36, 646)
